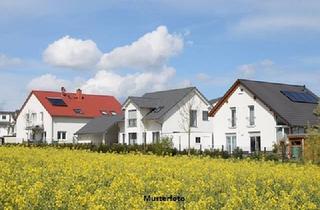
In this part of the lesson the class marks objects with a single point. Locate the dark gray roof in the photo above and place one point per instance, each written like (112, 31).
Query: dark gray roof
(296, 114)
(145, 102)
(161, 102)
(100, 124)
(212, 101)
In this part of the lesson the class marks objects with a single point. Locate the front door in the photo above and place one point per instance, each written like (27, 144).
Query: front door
(255, 143)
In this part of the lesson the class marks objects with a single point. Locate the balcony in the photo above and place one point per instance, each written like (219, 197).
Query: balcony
(30, 125)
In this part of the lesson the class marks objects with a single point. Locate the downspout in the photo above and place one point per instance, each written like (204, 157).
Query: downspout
(52, 126)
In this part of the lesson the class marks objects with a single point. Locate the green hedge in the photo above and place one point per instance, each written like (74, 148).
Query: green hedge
(164, 147)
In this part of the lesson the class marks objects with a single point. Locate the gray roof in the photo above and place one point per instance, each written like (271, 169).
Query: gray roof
(145, 102)
(295, 114)
(212, 101)
(100, 124)
(161, 102)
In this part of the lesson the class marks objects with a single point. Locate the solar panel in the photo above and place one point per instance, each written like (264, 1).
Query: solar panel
(57, 101)
(300, 97)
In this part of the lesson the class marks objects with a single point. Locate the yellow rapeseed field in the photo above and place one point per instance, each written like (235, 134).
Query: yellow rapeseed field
(48, 178)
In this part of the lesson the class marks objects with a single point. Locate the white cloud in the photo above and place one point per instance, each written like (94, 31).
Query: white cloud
(8, 62)
(261, 68)
(48, 82)
(106, 82)
(150, 52)
(73, 53)
(146, 58)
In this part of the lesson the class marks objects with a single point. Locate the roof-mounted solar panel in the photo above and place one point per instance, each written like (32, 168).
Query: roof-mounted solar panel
(57, 102)
(300, 97)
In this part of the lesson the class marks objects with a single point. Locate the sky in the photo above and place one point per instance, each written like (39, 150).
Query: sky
(129, 47)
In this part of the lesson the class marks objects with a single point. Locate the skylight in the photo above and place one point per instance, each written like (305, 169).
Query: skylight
(57, 102)
(78, 111)
(113, 113)
(104, 112)
(300, 97)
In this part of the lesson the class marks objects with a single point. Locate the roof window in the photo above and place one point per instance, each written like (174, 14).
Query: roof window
(57, 102)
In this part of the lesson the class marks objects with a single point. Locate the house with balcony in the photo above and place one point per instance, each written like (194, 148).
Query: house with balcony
(253, 115)
(7, 124)
(49, 116)
(179, 114)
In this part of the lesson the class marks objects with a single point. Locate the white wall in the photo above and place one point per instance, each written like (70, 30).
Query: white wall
(33, 105)
(5, 128)
(68, 124)
(170, 126)
(265, 122)
(175, 125)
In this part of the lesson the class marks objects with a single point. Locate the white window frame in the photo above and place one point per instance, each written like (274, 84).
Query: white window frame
(59, 135)
(207, 117)
(132, 141)
(252, 117)
(193, 119)
(233, 119)
(231, 142)
(195, 140)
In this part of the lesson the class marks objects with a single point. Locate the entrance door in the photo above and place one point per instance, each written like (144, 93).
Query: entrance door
(231, 142)
(255, 143)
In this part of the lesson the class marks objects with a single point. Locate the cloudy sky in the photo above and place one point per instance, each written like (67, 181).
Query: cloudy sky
(127, 47)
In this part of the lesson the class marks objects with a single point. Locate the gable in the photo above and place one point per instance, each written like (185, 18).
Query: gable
(292, 113)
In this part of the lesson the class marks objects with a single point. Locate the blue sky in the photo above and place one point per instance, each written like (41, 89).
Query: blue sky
(128, 47)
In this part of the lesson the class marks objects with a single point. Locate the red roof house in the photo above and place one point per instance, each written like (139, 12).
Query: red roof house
(55, 116)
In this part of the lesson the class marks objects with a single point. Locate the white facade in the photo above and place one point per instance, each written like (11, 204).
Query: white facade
(36, 124)
(6, 124)
(174, 124)
(253, 126)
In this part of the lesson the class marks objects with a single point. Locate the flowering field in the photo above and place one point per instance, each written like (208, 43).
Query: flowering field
(52, 178)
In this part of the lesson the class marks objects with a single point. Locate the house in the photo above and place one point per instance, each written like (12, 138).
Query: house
(48, 116)
(100, 130)
(214, 101)
(7, 124)
(180, 114)
(253, 115)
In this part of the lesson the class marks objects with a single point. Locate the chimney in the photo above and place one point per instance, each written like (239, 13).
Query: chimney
(63, 91)
(79, 94)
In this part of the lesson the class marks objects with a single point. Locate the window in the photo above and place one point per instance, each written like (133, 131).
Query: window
(132, 115)
(193, 118)
(198, 140)
(155, 137)
(233, 117)
(255, 142)
(41, 116)
(205, 116)
(57, 102)
(113, 113)
(28, 117)
(231, 142)
(103, 112)
(123, 138)
(144, 137)
(34, 117)
(4, 117)
(78, 111)
(61, 135)
(132, 138)
(251, 116)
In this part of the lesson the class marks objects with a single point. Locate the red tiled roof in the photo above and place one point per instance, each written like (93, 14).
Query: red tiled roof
(91, 105)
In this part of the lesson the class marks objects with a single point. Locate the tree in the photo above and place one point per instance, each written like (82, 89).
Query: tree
(312, 145)
(185, 111)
